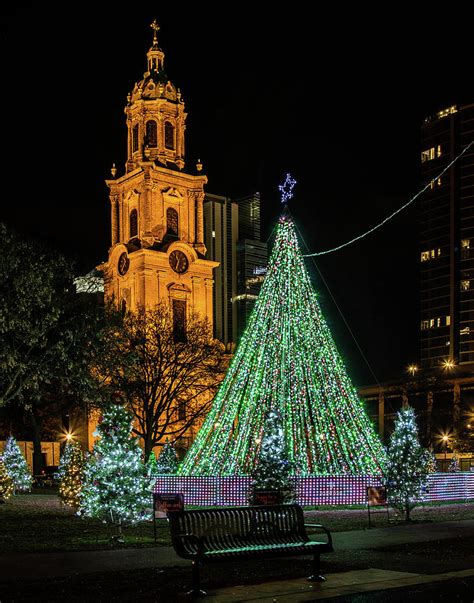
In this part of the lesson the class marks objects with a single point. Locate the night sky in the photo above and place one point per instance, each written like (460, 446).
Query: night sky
(337, 100)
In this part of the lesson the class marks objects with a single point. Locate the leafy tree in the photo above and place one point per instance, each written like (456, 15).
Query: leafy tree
(274, 469)
(167, 463)
(165, 376)
(6, 483)
(48, 334)
(115, 488)
(17, 466)
(406, 468)
(72, 476)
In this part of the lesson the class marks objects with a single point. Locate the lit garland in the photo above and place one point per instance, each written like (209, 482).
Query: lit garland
(17, 466)
(287, 361)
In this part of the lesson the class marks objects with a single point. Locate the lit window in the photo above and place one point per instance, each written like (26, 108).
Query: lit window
(213, 234)
(427, 155)
(465, 331)
(432, 323)
(446, 112)
(425, 256)
(424, 325)
(438, 322)
(438, 181)
(465, 243)
(465, 285)
(438, 151)
(448, 320)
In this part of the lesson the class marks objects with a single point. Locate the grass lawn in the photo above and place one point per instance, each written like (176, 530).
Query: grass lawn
(39, 522)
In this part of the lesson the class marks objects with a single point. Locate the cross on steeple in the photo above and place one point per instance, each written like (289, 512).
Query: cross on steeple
(156, 28)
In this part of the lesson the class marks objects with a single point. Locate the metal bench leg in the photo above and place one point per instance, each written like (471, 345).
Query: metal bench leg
(196, 591)
(316, 575)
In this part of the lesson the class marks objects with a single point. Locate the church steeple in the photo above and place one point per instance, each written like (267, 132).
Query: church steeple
(155, 115)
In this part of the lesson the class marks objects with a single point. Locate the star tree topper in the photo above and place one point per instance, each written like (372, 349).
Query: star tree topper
(286, 189)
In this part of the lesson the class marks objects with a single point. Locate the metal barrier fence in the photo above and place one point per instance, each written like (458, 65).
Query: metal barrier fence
(310, 490)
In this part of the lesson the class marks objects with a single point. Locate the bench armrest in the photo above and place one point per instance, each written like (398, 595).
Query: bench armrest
(318, 525)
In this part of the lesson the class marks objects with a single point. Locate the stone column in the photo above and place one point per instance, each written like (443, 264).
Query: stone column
(200, 218)
(209, 284)
(191, 219)
(161, 285)
(114, 220)
(196, 282)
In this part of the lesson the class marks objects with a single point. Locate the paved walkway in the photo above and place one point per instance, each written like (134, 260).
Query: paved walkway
(47, 565)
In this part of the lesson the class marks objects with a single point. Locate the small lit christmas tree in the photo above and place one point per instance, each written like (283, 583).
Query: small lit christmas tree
(167, 463)
(17, 466)
(152, 465)
(454, 464)
(64, 459)
(70, 484)
(430, 462)
(406, 467)
(115, 488)
(6, 483)
(274, 469)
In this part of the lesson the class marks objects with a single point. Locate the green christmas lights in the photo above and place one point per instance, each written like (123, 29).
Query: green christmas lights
(287, 362)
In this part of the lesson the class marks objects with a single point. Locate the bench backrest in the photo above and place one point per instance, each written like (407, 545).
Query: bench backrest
(221, 527)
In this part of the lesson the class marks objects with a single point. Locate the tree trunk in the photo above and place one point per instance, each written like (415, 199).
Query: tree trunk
(148, 447)
(407, 513)
(37, 455)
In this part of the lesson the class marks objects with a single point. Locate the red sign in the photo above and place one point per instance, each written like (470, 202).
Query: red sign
(267, 497)
(376, 496)
(167, 503)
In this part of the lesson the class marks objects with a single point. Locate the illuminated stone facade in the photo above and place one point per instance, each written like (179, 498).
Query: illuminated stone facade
(157, 234)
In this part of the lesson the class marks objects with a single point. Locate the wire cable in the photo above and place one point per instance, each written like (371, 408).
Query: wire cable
(400, 209)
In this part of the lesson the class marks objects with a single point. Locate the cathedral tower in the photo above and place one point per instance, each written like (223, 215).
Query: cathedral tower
(158, 252)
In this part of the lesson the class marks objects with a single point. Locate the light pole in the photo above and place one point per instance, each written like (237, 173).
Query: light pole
(445, 439)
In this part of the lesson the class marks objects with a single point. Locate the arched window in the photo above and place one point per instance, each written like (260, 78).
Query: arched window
(123, 307)
(151, 134)
(135, 138)
(169, 135)
(133, 223)
(172, 221)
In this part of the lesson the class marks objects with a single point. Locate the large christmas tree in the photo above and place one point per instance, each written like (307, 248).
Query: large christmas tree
(17, 466)
(115, 488)
(287, 362)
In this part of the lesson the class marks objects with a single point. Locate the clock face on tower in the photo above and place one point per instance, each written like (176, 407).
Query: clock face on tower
(178, 261)
(123, 264)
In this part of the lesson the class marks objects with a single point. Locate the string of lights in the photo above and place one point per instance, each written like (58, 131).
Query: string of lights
(388, 218)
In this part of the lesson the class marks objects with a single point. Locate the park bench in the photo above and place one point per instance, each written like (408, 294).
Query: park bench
(232, 533)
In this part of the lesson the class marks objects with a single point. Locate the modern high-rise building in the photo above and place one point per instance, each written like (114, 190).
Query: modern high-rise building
(221, 230)
(232, 238)
(447, 239)
(441, 385)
